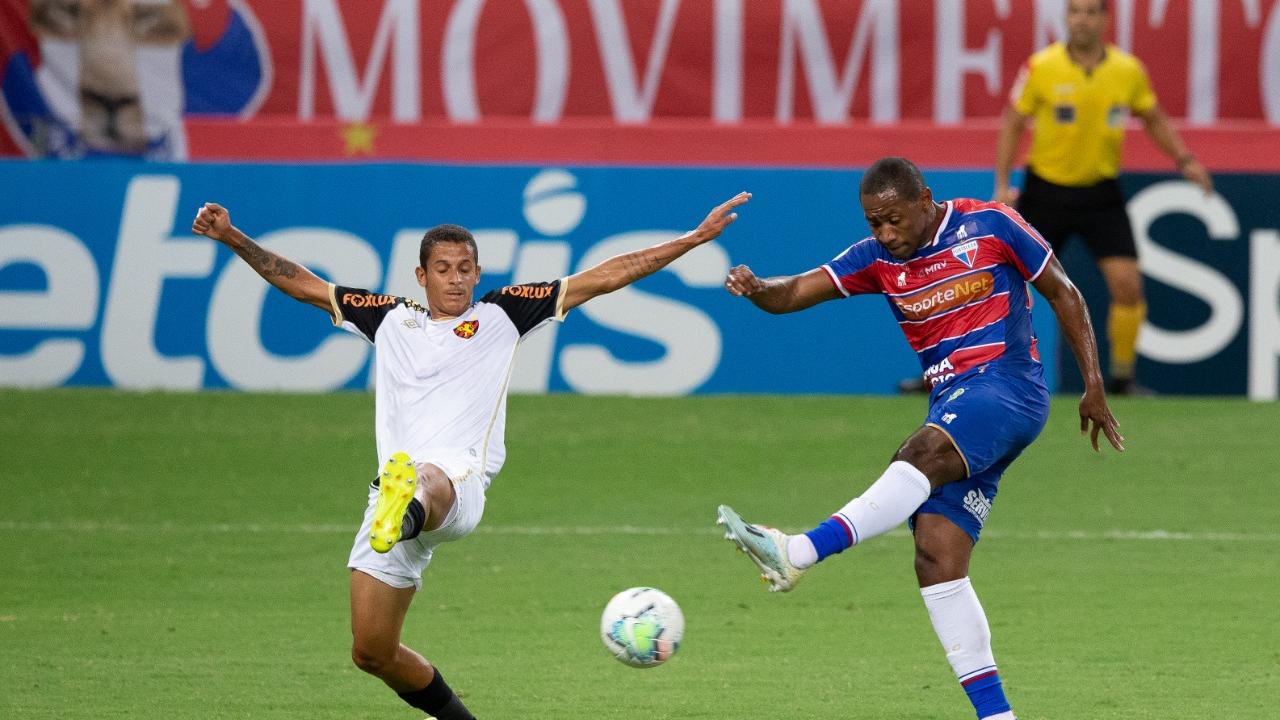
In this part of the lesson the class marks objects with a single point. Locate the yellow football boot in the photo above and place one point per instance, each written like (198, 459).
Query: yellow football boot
(395, 489)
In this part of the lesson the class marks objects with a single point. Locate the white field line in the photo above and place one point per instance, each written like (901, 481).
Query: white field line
(20, 526)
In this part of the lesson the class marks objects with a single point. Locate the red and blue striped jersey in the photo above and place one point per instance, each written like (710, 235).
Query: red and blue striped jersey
(962, 299)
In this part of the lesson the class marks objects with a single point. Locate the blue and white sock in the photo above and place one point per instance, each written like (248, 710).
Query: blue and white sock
(884, 506)
(962, 628)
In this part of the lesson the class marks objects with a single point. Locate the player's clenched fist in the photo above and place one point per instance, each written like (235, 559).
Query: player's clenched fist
(212, 221)
(742, 282)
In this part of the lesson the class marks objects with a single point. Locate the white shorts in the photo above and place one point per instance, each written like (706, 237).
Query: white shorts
(402, 567)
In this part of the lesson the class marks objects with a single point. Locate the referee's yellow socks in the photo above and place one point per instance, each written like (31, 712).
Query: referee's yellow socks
(1123, 323)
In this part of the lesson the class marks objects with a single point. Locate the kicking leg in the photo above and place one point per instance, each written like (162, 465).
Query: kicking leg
(942, 567)
(411, 499)
(377, 616)
(925, 461)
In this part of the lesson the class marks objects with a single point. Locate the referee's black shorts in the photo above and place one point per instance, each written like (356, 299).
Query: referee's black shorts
(1095, 212)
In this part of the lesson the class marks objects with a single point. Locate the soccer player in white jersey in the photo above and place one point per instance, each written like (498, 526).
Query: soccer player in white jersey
(440, 405)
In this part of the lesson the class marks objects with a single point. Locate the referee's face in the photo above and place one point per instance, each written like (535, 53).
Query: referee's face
(1086, 22)
(449, 278)
(899, 224)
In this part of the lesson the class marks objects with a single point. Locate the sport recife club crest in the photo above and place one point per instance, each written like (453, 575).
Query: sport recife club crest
(466, 329)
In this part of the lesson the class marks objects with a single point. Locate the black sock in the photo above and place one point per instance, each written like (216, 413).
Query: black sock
(437, 698)
(415, 516)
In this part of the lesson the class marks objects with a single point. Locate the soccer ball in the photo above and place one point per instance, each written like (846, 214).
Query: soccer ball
(642, 627)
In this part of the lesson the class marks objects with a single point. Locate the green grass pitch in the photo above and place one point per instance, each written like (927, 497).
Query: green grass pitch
(182, 556)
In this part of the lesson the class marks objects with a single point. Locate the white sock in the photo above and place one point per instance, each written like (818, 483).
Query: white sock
(962, 628)
(800, 551)
(884, 506)
(899, 492)
(961, 625)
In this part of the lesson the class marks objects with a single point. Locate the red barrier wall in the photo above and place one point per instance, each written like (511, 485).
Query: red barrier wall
(757, 82)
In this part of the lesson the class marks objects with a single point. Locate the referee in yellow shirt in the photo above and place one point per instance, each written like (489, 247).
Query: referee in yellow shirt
(1080, 93)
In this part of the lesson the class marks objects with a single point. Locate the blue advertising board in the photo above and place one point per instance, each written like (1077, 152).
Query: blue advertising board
(1211, 267)
(101, 282)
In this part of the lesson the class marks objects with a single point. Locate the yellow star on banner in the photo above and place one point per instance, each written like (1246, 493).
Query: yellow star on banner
(358, 137)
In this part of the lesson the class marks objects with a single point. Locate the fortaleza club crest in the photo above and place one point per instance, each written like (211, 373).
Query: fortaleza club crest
(466, 329)
(966, 253)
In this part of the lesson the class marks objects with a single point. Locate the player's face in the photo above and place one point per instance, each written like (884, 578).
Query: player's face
(450, 278)
(900, 225)
(1086, 22)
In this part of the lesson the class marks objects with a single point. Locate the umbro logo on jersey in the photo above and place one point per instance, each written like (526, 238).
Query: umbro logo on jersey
(466, 329)
(411, 323)
(966, 253)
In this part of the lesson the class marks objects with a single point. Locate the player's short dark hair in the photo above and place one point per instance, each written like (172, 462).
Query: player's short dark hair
(893, 173)
(446, 233)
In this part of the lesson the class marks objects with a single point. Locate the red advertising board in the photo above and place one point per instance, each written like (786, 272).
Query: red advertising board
(205, 78)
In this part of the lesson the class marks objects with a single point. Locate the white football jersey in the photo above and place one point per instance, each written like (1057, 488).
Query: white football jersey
(441, 385)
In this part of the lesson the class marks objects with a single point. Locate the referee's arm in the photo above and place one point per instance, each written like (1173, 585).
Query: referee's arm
(1162, 133)
(1013, 124)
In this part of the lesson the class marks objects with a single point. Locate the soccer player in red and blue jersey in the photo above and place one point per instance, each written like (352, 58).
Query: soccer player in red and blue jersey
(955, 275)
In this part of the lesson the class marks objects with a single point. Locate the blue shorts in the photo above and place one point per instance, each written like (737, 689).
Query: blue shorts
(990, 416)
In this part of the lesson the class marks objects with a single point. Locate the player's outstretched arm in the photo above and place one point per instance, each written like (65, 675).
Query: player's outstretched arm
(620, 271)
(781, 294)
(214, 221)
(1069, 306)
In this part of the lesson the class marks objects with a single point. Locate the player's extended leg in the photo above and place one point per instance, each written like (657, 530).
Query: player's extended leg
(377, 616)
(411, 499)
(1124, 318)
(926, 460)
(942, 567)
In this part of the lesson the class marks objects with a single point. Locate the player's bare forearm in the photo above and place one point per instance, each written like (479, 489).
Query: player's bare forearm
(1073, 317)
(620, 271)
(784, 294)
(289, 277)
(214, 222)
(777, 295)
